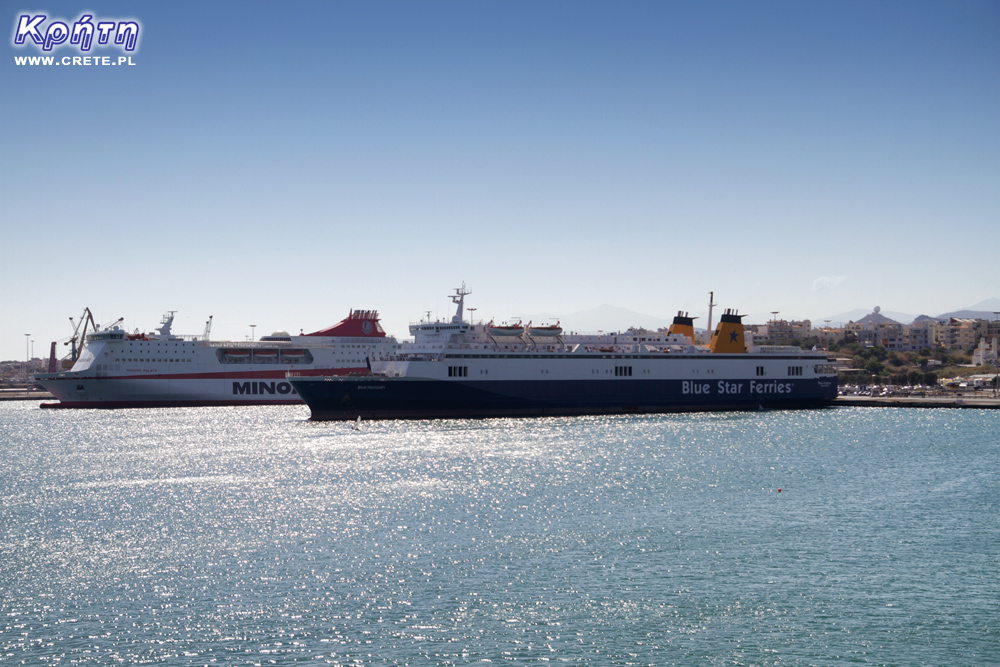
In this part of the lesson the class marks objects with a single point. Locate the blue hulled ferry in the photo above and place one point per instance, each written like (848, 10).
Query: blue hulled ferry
(458, 368)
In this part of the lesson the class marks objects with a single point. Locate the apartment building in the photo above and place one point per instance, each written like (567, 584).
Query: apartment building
(960, 333)
(954, 334)
(780, 330)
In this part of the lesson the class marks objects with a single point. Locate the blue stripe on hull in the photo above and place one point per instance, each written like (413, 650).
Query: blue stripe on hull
(402, 398)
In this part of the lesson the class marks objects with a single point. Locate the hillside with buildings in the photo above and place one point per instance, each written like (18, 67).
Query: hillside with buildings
(880, 349)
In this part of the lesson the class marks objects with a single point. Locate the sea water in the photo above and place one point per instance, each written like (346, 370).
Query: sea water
(252, 536)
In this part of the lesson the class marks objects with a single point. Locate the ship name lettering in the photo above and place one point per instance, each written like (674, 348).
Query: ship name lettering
(770, 387)
(262, 388)
(730, 387)
(689, 387)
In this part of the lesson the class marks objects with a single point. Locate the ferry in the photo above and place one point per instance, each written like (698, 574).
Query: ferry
(117, 369)
(457, 369)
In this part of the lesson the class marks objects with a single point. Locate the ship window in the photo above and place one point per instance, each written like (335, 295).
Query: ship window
(623, 371)
(760, 371)
(795, 370)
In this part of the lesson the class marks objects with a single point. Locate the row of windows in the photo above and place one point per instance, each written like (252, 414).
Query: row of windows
(154, 361)
(792, 370)
(157, 345)
(626, 371)
(590, 357)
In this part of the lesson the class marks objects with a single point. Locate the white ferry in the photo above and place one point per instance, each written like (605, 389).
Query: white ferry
(463, 369)
(116, 369)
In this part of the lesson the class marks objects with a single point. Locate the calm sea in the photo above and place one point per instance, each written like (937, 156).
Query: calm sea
(251, 536)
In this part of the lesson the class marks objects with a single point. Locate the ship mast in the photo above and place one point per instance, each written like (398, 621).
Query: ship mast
(458, 298)
(165, 323)
(708, 332)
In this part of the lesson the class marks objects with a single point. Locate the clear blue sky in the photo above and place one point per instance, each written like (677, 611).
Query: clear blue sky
(280, 163)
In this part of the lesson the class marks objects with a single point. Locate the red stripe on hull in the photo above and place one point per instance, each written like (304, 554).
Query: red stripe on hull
(229, 375)
(108, 405)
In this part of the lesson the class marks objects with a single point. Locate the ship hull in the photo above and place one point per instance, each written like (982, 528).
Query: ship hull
(120, 370)
(246, 388)
(422, 398)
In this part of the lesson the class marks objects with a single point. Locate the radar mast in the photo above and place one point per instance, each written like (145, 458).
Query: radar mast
(458, 298)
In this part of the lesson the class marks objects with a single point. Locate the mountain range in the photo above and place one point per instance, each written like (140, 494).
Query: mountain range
(984, 310)
(613, 318)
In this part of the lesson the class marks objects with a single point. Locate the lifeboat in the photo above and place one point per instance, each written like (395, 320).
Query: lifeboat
(266, 355)
(549, 330)
(238, 355)
(506, 330)
(293, 355)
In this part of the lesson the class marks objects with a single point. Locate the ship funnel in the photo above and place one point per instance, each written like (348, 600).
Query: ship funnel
(683, 325)
(728, 337)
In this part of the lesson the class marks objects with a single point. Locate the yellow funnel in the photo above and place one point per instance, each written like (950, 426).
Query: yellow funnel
(728, 336)
(682, 325)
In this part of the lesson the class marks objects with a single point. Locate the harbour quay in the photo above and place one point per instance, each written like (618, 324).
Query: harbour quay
(16, 394)
(980, 402)
(945, 401)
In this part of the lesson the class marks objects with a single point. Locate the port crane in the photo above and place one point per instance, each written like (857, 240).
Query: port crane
(80, 332)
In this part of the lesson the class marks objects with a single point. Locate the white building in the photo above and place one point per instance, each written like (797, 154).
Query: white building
(986, 352)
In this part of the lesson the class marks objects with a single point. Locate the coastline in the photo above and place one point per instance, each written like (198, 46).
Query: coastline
(24, 395)
(987, 403)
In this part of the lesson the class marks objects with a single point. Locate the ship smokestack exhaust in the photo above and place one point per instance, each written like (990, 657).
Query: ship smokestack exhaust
(683, 324)
(728, 337)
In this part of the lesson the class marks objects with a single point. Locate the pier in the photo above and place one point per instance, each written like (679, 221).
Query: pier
(979, 402)
(25, 395)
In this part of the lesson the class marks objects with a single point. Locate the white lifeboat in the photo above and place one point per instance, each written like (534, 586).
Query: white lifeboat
(550, 330)
(506, 330)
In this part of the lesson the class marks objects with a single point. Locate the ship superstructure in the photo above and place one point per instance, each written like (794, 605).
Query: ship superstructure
(458, 368)
(115, 368)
